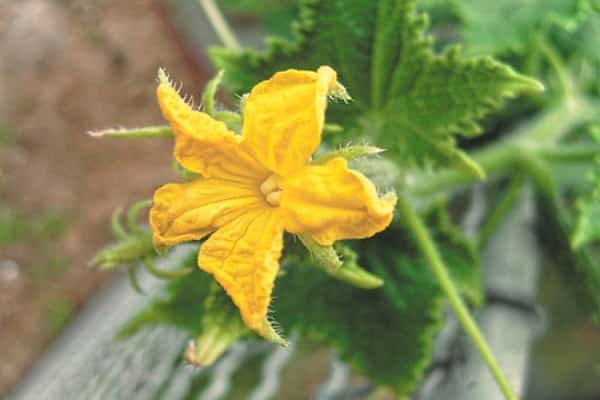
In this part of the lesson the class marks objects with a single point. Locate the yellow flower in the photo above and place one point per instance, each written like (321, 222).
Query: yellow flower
(255, 185)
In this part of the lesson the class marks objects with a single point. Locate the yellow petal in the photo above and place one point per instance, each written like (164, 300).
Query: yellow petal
(331, 202)
(284, 116)
(243, 256)
(190, 211)
(202, 144)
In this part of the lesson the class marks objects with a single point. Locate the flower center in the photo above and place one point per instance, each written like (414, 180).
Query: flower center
(271, 190)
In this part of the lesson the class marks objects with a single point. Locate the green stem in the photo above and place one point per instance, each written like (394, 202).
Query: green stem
(379, 53)
(160, 131)
(536, 137)
(562, 73)
(430, 251)
(133, 214)
(165, 274)
(219, 24)
(569, 153)
(503, 207)
(116, 225)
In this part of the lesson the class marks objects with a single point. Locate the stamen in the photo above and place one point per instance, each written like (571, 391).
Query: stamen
(269, 185)
(274, 198)
(271, 190)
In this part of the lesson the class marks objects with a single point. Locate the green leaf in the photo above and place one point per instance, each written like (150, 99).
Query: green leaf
(407, 98)
(497, 27)
(385, 334)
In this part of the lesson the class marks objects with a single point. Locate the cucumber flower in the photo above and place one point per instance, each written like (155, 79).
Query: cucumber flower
(254, 186)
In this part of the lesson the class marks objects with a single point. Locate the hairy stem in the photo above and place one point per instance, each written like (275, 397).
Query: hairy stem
(430, 251)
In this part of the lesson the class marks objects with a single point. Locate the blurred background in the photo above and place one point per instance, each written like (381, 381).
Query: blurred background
(71, 66)
(67, 67)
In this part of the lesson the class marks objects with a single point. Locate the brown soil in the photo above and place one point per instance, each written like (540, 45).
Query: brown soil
(66, 67)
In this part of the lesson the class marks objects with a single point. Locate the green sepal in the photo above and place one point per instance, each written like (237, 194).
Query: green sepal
(184, 174)
(209, 94)
(126, 251)
(165, 274)
(221, 327)
(325, 256)
(343, 268)
(232, 119)
(134, 242)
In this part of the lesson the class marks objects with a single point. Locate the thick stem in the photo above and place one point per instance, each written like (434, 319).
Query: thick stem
(429, 250)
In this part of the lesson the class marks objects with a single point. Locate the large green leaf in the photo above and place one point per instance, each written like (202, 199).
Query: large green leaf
(384, 334)
(406, 98)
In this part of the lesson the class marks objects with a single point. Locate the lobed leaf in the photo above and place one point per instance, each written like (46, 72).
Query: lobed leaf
(406, 97)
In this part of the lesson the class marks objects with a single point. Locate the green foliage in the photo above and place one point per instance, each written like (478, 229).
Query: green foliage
(16, 226)
(7, 136)
(182, 304)
(588, 223)
(58, 314)
(276, 15)
(587, 228)
(496, 27)
(363, 325)
(407, 98)
(579, 266)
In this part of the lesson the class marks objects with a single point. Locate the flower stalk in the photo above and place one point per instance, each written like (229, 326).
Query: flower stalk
(431, 253)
